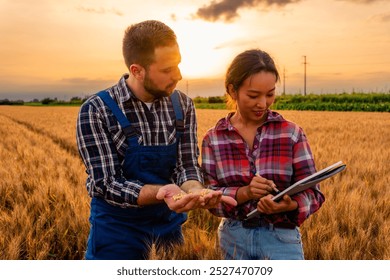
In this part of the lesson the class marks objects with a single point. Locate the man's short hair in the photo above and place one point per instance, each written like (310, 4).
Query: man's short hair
(141, 40)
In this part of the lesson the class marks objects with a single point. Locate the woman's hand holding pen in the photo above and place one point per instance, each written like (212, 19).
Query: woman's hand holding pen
(257, 188)
(260, 187)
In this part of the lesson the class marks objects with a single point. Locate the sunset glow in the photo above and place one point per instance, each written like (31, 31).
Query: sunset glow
(73, 48)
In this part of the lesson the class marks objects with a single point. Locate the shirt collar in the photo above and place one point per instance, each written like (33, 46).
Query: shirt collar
(124, 93)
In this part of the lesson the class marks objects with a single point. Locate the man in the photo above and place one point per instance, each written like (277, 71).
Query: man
(138, 142)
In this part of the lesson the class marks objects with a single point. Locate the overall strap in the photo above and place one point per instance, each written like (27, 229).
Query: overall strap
(121, 118)
(178, 113)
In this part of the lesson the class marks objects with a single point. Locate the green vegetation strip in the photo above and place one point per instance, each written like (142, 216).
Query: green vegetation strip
(367, 102)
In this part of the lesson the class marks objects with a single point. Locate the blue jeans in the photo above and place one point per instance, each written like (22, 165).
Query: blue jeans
(260, 243)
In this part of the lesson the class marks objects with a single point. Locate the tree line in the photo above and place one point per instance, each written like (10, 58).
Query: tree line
(370, 102)
(45, 101)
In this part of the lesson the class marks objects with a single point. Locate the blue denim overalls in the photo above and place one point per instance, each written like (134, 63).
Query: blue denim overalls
(128, 233)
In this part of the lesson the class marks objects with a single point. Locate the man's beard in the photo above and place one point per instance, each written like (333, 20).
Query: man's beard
(151, 88)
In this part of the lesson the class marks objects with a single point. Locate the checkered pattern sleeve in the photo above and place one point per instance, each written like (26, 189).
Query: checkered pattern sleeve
(100, 156)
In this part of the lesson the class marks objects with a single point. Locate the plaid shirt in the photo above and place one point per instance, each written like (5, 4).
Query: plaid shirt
(102, 144)
(280, 153)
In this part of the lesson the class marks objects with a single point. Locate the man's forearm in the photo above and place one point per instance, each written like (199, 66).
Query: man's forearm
(147, 195)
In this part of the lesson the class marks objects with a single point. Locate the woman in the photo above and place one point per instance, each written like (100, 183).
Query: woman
(250, 155)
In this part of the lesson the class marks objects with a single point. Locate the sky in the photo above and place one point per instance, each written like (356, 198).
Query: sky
(64, 49)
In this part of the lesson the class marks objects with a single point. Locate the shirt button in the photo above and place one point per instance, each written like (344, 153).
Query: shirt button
(255, 146)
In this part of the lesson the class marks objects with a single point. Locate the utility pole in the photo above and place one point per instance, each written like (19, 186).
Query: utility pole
(284, 81)
(304, 64)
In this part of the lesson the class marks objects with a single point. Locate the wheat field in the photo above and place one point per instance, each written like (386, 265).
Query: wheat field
(44, 206)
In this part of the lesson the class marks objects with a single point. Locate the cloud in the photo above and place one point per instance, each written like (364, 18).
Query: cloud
(238, 43)
(84, 83)
(13, 88)
(361, 1)
(227, 10)
(100, 11)
(381, 17)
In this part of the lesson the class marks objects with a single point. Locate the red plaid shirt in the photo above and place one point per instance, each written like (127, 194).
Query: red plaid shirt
(280, 153)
